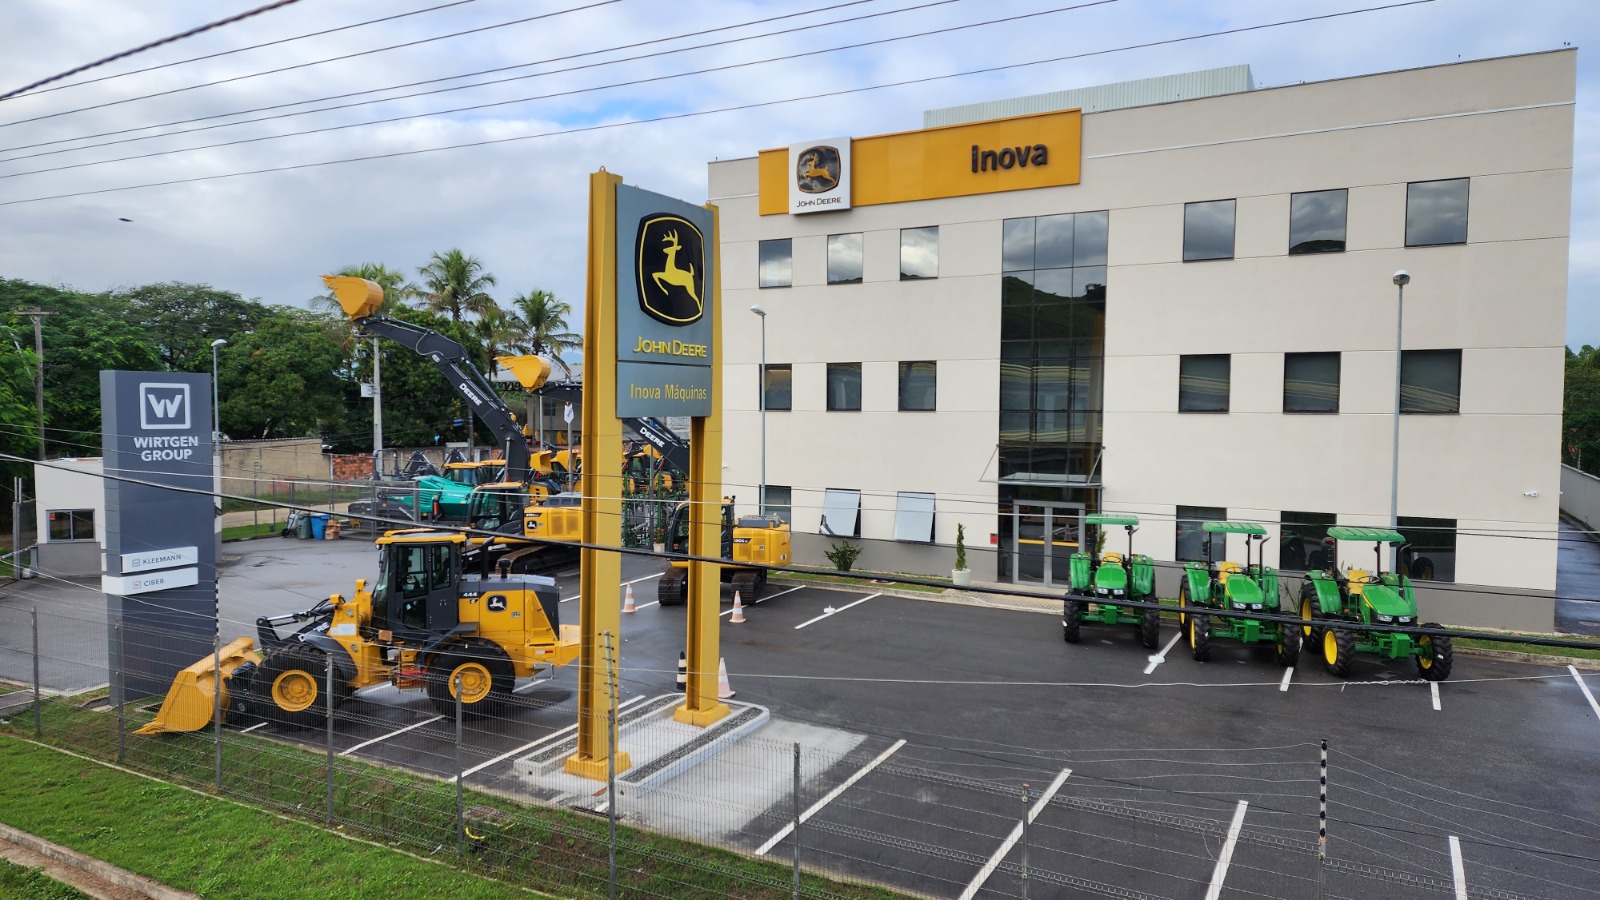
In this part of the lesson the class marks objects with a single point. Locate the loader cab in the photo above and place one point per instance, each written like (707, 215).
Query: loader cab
(418, 585)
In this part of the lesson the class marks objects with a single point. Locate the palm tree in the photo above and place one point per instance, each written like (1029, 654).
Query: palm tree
(455, 283)
(543, 322)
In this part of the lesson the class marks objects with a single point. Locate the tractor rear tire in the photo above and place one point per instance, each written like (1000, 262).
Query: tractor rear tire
(291, 683)
(1338, 651)
(1150, 628)
(1309, 632)
(1437, 656)
(1071, 621)
(486, 678)
(673, 588)
(1200, 637)
(1288, 647)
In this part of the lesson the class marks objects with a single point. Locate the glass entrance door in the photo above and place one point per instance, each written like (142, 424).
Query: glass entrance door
(1042, 540)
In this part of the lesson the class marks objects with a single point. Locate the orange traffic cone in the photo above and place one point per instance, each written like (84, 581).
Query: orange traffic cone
(723, 690)
(627, 603)
(738, 610)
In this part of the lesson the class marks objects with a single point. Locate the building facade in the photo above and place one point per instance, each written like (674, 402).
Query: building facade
(1183, 309)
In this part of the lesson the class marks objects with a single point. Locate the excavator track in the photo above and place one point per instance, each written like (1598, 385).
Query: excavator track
(747, 583)
(673, 589)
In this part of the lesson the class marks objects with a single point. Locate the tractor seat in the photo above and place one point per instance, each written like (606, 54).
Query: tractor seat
(1111, 558)
(1224, 569)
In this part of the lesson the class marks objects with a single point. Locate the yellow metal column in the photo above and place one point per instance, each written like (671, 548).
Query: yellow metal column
(701, 706)
(599, 609)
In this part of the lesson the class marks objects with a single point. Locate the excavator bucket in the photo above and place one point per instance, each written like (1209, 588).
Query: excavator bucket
(357, 296)
(192, 697)
(531, 371)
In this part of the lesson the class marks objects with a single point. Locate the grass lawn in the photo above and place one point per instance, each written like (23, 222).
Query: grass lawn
(21, 883)
(866, 580)
(246, 532)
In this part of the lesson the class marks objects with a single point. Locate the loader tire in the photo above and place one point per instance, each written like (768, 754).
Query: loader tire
(1435, 656)
(486, 678)
(1288, 647)
(1071, 621)
(292, 687)
(1150, 627)
(1338, 651)
(1200, 637)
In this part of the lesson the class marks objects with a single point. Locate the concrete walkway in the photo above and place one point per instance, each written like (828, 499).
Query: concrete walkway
(1577, 582)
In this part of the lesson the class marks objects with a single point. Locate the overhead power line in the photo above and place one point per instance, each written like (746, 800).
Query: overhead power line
(287, 40)
(153, 44)
(706, 112)
(573, 92)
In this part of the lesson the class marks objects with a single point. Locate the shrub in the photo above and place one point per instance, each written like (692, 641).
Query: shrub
(961, 546)
(843, 555)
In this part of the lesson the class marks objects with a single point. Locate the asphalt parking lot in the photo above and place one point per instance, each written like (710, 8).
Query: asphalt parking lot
(1148, 774)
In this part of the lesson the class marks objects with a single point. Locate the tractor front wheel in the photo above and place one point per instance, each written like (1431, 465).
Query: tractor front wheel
(1288, 649)
(1071, 620)
(1200, 637)
(1183, 603)
(1435, 655)
(1309, 632)
(1338, 650)
(1150, 627)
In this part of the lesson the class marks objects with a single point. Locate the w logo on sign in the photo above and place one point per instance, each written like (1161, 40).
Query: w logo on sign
(164, 407)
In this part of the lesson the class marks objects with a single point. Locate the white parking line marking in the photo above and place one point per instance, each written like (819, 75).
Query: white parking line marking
(1288, 673)
(1433, 688)
(385, 737)
(837, 611)
(1157, 659)
(624, 584)
(544, 740)
(770, 597)
(816, 807)
(1456, 869)
(1016, 835)
(1579, 678)
(1220, 873)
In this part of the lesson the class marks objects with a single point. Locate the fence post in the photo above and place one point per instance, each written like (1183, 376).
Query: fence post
(611, 764)
(255, 499)
(38, 726)
(122, 698)
(460, 816)
(1026, 841)
(796, 820)
(216, 708)
(1322, 815)
(327, 704)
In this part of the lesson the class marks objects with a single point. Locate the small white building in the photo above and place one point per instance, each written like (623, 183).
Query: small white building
(1177, 303)
(70, 517)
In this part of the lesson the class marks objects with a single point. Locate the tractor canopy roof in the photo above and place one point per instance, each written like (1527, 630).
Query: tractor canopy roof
(1108, 519)
(1233, 528)
(1349, 533)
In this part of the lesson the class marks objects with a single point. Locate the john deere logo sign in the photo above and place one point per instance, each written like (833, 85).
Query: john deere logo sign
(817, 171)
(671, 269)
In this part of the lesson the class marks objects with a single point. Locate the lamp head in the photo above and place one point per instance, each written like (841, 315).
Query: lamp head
(1402, 278)
(758, 310)
(218, 343)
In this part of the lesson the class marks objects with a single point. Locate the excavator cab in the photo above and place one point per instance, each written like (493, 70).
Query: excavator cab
(748, 545)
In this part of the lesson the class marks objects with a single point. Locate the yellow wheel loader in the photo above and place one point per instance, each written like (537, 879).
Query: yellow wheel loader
(424, 624)
(748, 544)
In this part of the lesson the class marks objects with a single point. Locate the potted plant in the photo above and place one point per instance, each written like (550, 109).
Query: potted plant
(659, 544)
(961, 576)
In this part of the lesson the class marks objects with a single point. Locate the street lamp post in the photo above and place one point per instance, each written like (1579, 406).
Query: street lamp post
(761, 496)
(1401, 279)
(216, 410)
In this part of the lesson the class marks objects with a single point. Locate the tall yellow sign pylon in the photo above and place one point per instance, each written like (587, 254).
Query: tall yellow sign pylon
(700, 705)
(599, 608)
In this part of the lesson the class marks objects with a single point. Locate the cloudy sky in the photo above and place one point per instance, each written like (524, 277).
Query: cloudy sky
(584, 84)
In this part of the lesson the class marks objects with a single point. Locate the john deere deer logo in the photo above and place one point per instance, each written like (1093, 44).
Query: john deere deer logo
(817, 170)
(671, 264)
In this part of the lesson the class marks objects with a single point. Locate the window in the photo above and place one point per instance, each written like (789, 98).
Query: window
(844, 387)
(777, 501)
(1316, 221)
(1203, 383)
(1311, 382)
(1436, 212)
(844, 258)
(840, 513)
(918, 384)
(1430, 381)
(776, 392)
(71, 524)
(913, 517)
(777, 263)
(1429, 553)
(1300, 537)
(1192, 540)
(1208, 230)
(919, 253)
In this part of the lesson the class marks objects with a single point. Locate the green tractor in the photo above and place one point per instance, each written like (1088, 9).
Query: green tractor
(1211, 587)
(1100, 577)
(1334, 596)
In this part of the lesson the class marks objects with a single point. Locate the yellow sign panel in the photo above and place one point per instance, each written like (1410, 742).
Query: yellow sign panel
(987, 157)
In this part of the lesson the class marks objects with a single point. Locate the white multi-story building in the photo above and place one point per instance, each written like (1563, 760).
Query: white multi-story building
(1178, 303)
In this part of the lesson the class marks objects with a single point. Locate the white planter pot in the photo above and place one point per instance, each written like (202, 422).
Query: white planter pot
(961, 577)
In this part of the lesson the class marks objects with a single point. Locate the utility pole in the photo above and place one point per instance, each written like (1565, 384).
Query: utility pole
(38, 376)
(377, 415)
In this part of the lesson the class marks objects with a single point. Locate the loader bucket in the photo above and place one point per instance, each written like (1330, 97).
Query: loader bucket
(192, 697)
(358, 297)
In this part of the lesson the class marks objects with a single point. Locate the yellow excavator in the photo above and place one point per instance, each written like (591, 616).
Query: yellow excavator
(748, 544)
(424, 624)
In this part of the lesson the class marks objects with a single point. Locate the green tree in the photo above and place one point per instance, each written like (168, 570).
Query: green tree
(279, 380)
(1580, 420)
(183, 319)
(454, 283)
(542, 320)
